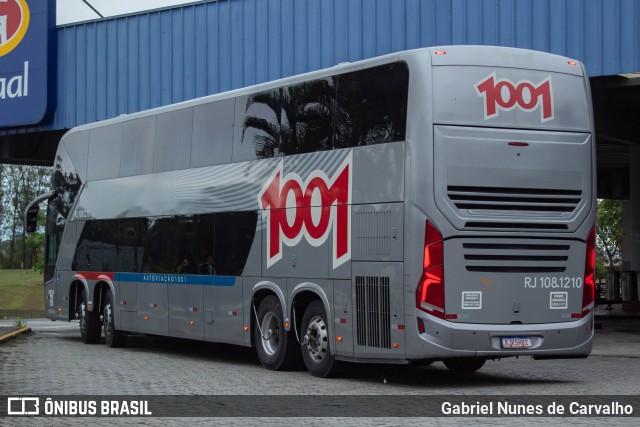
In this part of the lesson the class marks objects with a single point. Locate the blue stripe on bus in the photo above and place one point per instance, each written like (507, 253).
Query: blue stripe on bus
(176, 279)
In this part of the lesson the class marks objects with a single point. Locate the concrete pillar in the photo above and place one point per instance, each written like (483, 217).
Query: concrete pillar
(633, 241)
(627, 234)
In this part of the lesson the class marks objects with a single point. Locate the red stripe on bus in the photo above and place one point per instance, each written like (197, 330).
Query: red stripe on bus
(92, 275)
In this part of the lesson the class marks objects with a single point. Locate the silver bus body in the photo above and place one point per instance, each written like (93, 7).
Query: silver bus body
(462, 233)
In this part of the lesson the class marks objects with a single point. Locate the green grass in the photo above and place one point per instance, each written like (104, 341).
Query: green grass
(21, 290)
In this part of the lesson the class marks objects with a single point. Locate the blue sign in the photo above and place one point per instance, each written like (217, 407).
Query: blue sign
(27, 61)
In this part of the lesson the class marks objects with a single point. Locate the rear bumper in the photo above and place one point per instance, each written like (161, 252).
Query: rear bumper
(444, 339)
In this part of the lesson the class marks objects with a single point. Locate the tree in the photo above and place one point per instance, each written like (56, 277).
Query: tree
(19, 185)
(609, 232)
(35, 246)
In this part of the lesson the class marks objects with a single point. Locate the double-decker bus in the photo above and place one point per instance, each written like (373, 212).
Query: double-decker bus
(429, 205)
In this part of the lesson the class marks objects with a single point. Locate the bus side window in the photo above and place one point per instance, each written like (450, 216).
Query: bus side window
(186, 242)
(88, 255)
(156, 235)
(109, 245)
(235, 232)
(291, 119)
(372, 106)
(312, 115)
(128, 249)
(205, 238)
(81, 257)
(349, 110)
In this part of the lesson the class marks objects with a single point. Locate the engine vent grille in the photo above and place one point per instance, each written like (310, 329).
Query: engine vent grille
(530, 226)
(514, 209)
(516, 258)
(373, 316)
(372, 233)
(532, 200)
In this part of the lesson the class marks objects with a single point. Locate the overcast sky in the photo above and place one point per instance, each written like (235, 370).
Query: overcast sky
(70, 11)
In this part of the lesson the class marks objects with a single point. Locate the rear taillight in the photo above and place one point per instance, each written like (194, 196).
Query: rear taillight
(430, 292)
(588, 292)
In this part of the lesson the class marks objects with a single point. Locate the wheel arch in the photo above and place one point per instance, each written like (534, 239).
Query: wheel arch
(77, 284)
(260, 291)
(103, 285)
(302, 295)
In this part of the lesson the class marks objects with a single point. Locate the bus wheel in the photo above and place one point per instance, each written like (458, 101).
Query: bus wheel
(112, 337)
(464, 365)
(89, 322)
(316, 348)
(276, 350)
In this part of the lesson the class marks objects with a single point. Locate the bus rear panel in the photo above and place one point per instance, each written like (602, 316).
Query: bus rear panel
(509, 241)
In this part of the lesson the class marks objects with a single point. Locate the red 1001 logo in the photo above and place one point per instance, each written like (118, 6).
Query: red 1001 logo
(309, 209)
(503, 94)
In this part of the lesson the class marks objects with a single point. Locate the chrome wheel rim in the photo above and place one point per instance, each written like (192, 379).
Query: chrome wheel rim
(106, 321)
(270, 333)
(318, 339)
(83, 321)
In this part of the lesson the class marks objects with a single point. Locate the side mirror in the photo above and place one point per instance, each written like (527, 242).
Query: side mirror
(31, 212)
(31, 219)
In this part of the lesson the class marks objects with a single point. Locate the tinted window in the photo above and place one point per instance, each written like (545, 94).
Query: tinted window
(129, 252)
(54, 229)
(66, 182)
(313, 116)
(266, 123)
(292, 119)
(109, 239)
(206, 233)
(372, 106)
(186, 245)
(156, 235)
(162, 244)
(234, 236)
(349, 110)
(88, 255)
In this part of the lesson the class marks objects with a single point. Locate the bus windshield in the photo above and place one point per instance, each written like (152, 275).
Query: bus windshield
(66, 183)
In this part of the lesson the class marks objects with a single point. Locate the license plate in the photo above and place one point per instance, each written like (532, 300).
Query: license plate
(516, 342)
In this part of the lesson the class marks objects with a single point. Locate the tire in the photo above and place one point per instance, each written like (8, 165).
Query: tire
(464, 365)
(316, 350)
(112, 337)
(277, 349)
(89, 322)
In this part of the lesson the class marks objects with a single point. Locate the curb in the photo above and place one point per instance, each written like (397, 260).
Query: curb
(13, 334)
